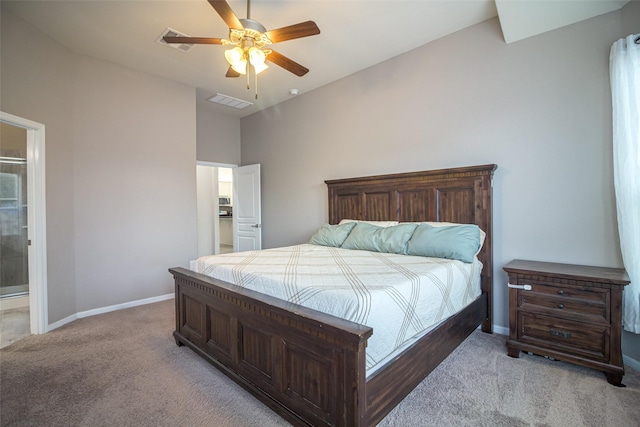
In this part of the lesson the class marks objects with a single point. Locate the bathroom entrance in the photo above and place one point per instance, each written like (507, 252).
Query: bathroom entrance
(14, 257)
(23, 258)
(14, 253)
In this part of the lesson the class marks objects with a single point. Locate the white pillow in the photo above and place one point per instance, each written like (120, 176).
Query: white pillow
(378, 223)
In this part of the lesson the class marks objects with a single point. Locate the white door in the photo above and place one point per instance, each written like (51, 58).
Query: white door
(247, 216)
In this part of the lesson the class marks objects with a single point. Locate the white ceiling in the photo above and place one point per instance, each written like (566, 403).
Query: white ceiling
(355, 34)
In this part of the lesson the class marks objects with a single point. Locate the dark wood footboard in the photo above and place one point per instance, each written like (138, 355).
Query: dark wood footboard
(307, 366)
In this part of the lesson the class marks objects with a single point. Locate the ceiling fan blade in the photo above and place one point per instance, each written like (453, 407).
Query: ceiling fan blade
(226, 13)
(232, 73)
(303, 29)
(287, 64)
(192, 40)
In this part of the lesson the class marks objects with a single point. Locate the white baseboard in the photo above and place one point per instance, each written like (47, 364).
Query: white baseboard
(108, 309)
(502, 330)
(631, 363)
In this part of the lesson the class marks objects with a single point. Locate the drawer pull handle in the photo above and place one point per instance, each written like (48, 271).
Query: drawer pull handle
(560, 306)
(524, 287)
(561, 334)
(560, 292)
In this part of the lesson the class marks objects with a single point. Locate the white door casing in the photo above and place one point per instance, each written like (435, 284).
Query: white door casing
(247, 215)
(206, 207)
(36, 221)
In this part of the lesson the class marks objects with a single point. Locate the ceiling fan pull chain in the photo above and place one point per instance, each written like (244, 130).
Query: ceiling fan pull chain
(256, 78)
(248, 72)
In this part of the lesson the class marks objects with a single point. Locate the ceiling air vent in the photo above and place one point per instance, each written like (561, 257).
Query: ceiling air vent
(229, 101)
(184, 47)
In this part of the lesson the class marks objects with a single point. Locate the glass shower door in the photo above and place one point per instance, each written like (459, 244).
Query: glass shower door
(14, 259)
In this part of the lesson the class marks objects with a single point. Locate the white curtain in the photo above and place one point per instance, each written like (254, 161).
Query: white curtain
(624, 63)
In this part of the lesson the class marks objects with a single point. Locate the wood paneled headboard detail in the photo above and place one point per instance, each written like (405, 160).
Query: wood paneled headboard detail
(460, 195)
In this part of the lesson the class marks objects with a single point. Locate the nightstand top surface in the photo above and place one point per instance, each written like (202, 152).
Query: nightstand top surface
(617, 276)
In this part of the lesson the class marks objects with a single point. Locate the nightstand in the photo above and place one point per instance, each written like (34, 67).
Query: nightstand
(567, 312)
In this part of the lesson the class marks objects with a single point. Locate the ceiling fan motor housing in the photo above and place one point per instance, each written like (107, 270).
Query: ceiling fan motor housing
(250, 24)
(252, 32)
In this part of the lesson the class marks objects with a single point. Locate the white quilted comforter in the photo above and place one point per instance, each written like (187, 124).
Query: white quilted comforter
(401, 297)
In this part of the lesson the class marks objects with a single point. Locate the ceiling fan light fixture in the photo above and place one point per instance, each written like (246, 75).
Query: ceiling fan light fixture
(240, 66)
(260, 67)
(233, 55)
(257, 58)
(237, 59)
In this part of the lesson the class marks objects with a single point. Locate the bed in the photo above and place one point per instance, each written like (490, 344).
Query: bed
(312, 367)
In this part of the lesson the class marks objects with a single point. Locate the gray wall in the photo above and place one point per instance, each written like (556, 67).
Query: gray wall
(218, 136)
(120, 169)
(539, 108)
(35, 84)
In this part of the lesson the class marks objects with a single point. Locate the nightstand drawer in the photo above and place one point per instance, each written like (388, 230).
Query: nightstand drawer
(576, 338)
(570, 303)
(593, 295)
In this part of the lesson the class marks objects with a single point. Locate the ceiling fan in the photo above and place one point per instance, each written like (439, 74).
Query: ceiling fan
(248, 39)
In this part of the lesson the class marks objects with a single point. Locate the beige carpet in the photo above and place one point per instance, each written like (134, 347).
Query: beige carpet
(124, 369)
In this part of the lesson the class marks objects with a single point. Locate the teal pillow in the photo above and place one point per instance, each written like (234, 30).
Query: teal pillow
(332, 235)
(369, 237)
(460, 242)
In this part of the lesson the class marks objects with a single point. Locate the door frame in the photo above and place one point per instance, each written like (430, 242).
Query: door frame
(36, 220)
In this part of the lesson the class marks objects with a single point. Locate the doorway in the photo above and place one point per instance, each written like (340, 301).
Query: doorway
(14, 255)
(22, 228)
(228, 208)
(214, 208)
(225, 209)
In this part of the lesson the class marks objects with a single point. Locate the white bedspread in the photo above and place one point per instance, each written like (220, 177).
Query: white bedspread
(401, 297)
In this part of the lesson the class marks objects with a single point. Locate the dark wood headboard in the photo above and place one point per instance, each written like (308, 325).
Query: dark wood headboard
(462, 195)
